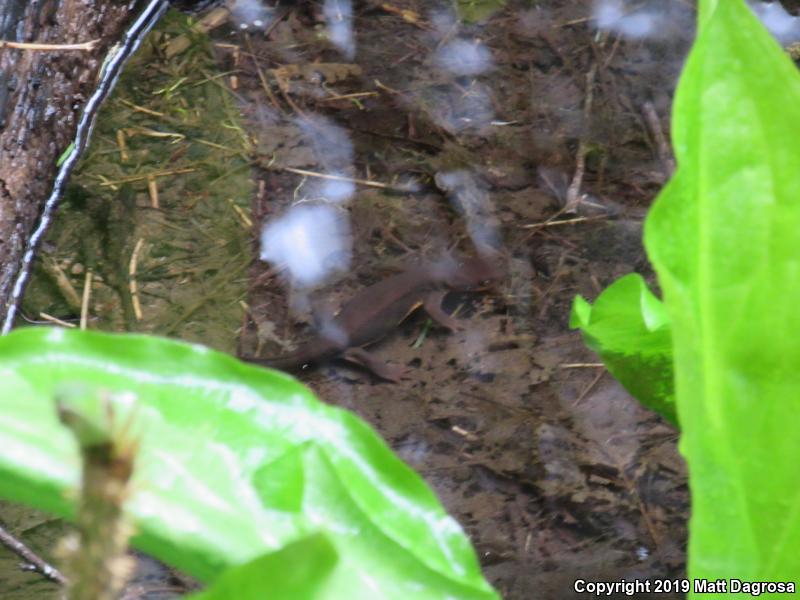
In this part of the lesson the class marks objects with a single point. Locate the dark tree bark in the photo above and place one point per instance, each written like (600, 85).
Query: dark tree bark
(42, 94)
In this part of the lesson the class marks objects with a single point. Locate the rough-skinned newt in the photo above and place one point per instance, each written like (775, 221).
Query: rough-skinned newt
(378, 309)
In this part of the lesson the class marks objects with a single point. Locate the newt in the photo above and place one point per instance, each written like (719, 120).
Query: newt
(378, 309)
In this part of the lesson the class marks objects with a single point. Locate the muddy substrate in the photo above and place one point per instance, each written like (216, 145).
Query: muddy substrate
(555, 472)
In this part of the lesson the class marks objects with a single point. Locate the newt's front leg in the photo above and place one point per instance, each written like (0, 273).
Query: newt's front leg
(433, 306)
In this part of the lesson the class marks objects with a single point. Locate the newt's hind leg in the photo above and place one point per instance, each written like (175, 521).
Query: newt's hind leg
(393, 373)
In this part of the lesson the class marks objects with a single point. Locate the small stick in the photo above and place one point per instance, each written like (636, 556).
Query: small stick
(582, 366)
(29, 556)
(589, 388)
(141, 109)
(574, 195)
(62, 282)
(283, 86)
(366, 182)
(662, 146)
(85, 46)
(409, 16)
(350, 96)
(123, 147)
(152, 190)
(262, 77)
(574, 190)
(386, 88)
(262, 190)
(87, 292)
(247, 223)
(237, 59)
(133, 286)
(44, 316)
(551, 223)
(468, 435)
(113, 182)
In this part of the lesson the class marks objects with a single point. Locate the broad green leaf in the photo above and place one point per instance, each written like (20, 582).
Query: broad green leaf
(723, 237)
(234, 462)
(300, 571)
(629, 330)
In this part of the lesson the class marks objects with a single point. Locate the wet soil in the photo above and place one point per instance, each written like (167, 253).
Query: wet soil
(556, 473)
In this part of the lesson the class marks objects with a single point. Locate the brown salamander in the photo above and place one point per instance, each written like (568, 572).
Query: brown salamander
(374, 312)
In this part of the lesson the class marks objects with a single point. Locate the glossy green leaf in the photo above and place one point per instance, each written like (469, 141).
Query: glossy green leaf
(723, 237)
(628, 328)
(300, 571)
(234, 462)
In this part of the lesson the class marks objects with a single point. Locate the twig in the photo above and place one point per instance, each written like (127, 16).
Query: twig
(574, 190)
(283, 86)
(662, 146)
(152, 191)
(552, 223)
(262, 77)
(133, 286)
(589, 388)
(366, 182)
(581, 366)
(246, 221)
(141, 109)
(62, 282)
(354, 95)
(104, 182)
(44, 316)
(87, 292)
(123, 146)
(409, 16)
(29, 556)
(85, 46)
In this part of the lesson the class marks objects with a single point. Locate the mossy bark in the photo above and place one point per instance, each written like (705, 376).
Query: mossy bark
(42, 93)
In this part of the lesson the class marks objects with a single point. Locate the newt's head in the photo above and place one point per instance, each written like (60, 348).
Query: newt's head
(473, 273)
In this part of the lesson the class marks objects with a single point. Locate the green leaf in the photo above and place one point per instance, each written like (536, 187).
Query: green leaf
(723, 237)
(629, 329)
(234, 461)
(65, 154)
(301, 571)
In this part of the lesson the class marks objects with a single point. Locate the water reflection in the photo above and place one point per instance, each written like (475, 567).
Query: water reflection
(334, 153)
(785, 27)
(339, 21)
(311, 240)
(509, 439)
(661, 20)
(249, 14)
(464, 57)
(614, 15)
(472, 201)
